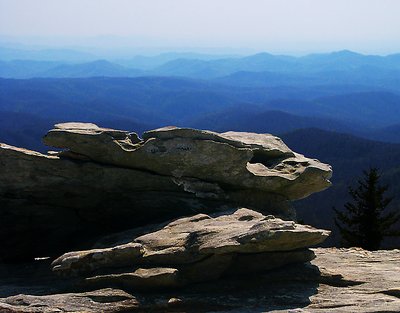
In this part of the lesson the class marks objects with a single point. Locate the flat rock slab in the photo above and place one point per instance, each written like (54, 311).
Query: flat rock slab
(355, 280)
(348, 280)
(200, 239)
(104, 300)
(243, 231)
(243, 160)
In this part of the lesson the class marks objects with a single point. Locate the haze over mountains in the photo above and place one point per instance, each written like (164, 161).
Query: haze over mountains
(321, 104)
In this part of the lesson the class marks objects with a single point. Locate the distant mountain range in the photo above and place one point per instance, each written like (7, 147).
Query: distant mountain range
(204, 104)
(99, 68)
(266, 69)
(129, 59)
(260, 70)
(151, 62)
(54, 55)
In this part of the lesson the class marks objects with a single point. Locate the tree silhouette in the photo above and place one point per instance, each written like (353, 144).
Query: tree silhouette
(363, 224)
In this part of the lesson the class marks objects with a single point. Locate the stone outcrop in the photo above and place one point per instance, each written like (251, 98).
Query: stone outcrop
(195, 249)
(106, 180)
(241, 160)
(336, 281)
(144, 217)
(355, 280)
(105, 300)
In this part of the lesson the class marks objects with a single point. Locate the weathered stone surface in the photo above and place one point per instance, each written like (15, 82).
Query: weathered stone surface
(110, 180)
(244, 231)
(140, 279)
(348, 280)
(243, 160)
(192, 250)
(355, 280)
(49, 203)
(192, 239)
(211, 268)
(105, 300)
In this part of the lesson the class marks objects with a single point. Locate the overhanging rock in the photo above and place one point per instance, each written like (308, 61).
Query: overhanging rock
(109, 180)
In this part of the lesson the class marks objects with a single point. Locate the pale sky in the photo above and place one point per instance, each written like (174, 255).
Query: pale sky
(271, 25)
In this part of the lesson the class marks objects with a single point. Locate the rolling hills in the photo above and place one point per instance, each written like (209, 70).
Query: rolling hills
(188, 102)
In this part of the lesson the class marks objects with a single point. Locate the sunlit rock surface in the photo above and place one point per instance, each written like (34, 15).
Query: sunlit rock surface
(241, 160)
(194, 249)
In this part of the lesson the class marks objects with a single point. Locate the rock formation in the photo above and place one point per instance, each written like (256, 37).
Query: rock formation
(336, 281)
(240, 160)
(194, 249)
(178, 208)
(106, 300)
(108, 180)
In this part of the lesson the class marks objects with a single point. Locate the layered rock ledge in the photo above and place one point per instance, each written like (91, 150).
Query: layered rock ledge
(241, 160)
(194, 249)
(336, 281)
(106, 180)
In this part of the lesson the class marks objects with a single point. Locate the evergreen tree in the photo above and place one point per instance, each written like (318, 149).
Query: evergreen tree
(363, 224)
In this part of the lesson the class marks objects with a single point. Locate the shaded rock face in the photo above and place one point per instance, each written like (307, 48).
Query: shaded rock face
(108, 180)
(194, 249)
(336, 281)
(105, 300)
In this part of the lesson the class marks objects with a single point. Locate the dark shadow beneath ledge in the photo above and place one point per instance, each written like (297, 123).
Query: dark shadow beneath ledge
(287, 288)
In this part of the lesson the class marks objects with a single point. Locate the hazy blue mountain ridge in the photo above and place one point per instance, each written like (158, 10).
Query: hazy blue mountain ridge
(263, 62)
(263, 69)
(261, 121)
(44, 69)
(158, 100)
(144, 62)
(25, 68)
(55, 55)
(97, 68)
